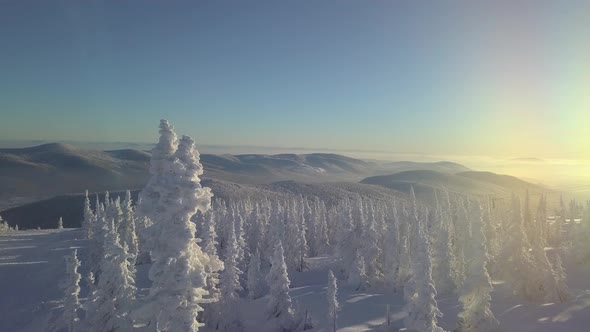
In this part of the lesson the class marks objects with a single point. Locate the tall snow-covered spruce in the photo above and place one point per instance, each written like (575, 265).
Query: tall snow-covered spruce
(254, 276)
(521, 267)
(180, 268)
(111, 300)
(89, 218)
(474, 294)
(421, 307)
(229, 319)
(151, 199)
(127, 228)
(71, 288)
(333, 305)
(442, 273)
(280, 306)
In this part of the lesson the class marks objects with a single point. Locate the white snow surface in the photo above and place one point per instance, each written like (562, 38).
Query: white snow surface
(32, 266)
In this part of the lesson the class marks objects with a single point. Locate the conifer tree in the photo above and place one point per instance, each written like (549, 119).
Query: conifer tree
(229, 319)
(474, 294)
(71, 288)
(151, 198)
(442, 250)
(254, 276)
(322, 240)
(521, 267)
(562, 290)
(209, 247)
(421, 307)
(280, 306)
(89, 218)
(255, 229)
(127, 229)
(371, 250)
(333, 305)
(109, 304)
(301, 244)
(358, 275)
(392, 248)
(179, 269)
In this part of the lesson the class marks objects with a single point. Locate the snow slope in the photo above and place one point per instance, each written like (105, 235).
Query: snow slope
(32, 265)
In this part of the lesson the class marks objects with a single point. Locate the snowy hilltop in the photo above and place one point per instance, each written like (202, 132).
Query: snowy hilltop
(284, 257)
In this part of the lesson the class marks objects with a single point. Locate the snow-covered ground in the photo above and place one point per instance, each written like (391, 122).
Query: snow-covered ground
(32, 265)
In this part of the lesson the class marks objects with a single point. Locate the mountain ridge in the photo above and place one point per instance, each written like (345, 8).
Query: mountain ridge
(57, 168)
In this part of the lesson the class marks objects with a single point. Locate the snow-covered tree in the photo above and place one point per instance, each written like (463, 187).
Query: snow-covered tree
(442, 273)
(243, 252)
(322, 241)
(541, 221)
(109, 304)
(528, 220)
(89, 218)
(391, 262)
(4, 225)
(408, 219)
(280, 306)
(556, 238)
(71, 288)
(151, 199)
(491, 232)
(179, 269)
(581, 245)
(545, 280)
(562, 290)
(229, 319)
(295, 242)
(371, 249)
(474, 295)
(421, 307)
(256, 223)
(358, 275)
(276, 230)
(459, 234)
(254, 276)
(521, 268)
(333, 305)
(347, 249)
(209, 247)
(115, 212)
(127, 228)
(96, 243)
(301, 244)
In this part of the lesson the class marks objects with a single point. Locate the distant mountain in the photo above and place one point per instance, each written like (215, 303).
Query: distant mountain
(57, 169)
(53, 169)
(472, 183)
(441, 166)
(507, 182)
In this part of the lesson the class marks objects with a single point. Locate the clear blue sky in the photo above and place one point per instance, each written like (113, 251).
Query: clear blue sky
(462, 77)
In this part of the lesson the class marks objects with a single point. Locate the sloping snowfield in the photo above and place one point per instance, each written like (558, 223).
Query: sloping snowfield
(32, 266)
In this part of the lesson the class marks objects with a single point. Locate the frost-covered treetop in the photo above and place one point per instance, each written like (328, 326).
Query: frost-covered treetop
(161, 154)
(189, 156)
(188, 168)
(167, 143)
